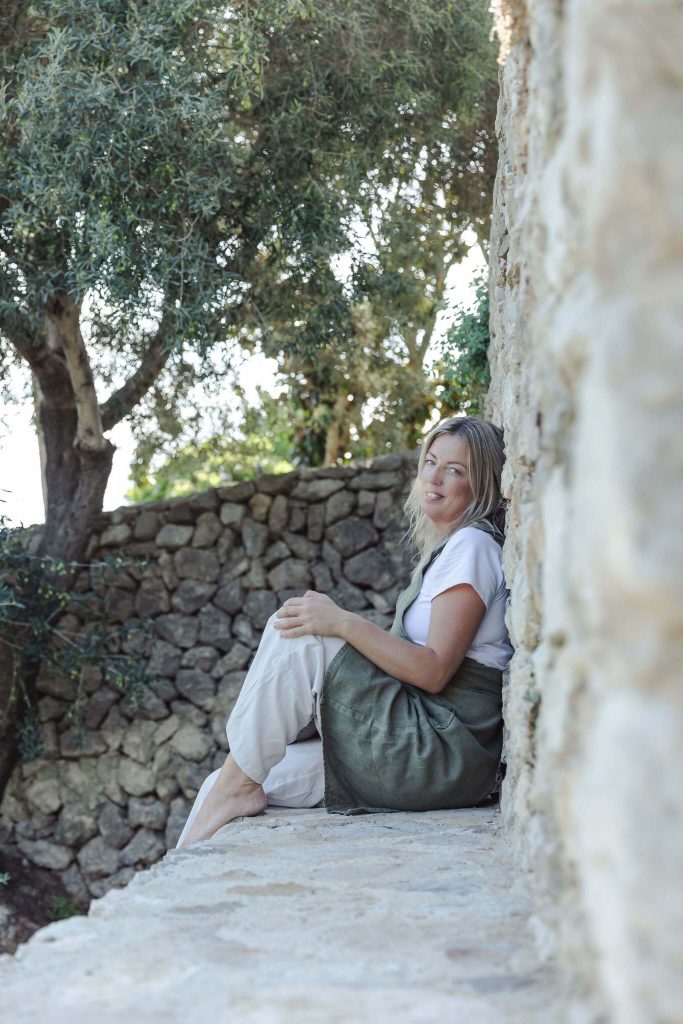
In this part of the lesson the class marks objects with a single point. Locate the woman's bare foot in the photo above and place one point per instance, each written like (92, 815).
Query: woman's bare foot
(233, 795)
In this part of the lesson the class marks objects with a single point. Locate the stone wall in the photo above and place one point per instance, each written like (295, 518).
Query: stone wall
(587, 363)
(208, 572)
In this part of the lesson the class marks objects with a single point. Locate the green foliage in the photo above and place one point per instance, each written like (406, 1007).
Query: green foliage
(5, 877)
(62, 908)
(40, 625)
(465, 366)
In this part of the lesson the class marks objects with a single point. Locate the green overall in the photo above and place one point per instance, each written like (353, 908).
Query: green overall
(389, 746)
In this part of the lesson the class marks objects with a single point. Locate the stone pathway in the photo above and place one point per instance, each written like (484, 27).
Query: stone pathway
(300, 917)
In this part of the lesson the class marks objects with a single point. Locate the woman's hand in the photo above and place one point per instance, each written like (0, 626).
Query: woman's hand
(312, 613)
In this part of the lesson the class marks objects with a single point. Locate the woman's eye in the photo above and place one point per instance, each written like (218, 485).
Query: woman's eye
(454, 471)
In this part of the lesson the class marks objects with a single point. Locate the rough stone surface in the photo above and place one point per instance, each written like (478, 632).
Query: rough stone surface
(587, 378)
(407, 918)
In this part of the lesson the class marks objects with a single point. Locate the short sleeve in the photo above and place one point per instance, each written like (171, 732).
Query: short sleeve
(469, 556)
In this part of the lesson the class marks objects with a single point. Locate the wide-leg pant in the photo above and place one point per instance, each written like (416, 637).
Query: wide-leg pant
(279, 698)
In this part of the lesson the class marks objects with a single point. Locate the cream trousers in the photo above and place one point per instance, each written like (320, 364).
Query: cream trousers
(279, 698)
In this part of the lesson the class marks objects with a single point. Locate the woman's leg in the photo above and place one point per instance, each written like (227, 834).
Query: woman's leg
(279, 697)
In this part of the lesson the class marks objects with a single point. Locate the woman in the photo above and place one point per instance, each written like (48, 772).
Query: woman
(410, 719)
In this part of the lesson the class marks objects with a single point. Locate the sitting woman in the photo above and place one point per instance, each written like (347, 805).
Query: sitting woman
(411, 719)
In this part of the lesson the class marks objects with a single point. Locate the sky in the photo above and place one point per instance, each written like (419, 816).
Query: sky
(20, 486)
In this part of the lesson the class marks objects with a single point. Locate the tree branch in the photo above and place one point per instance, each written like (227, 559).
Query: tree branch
(123, 401)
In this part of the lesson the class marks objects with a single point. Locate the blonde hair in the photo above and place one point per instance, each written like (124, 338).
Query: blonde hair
(485, 460)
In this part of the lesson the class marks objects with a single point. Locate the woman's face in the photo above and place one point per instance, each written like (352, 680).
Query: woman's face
(445, 488)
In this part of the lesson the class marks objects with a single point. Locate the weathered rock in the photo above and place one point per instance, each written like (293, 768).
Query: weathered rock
(178, 510)
(43, 795)
(384, 507)
(203, 658)
(146, 525)
(75, 826)
(165, 730)
(197, 686)
(214, 628)
(75, 886)
(50, 709)
(148, 705)
(371, 568)
(316, 490)
(297, 518)
(46, 854)
(347, 596)
(99, 705)
(99, 887)
(259, 507)
(301, 547)
(237, 492)
(165, 657)
(366, 503)
(237, 657)
(278, 515)
(352, 535)
(190, 777)
(135, 779)
(113, 827)
(147, 812)
(115, 536)
(167, 570)
(315, 522)
(229, 597)
(179, 810)
(226, 545)
(174, 536)
(191, 742)
(151, 598)
(291, 573)
(373, 481)
(192, 595)
(232, 515)
(207, 531)
(277, 552)
(259, 606)
(236, 566)
(97, 859)
(145, 847)
(138, 741)
(255, 579)
(243, 630)
(196, 564)
(338, 506)
(254, 537)
(322, 578)
(187, 711)
(177, 629)
(81, 742)
(276, 483)
(56, 685)
(165, 689)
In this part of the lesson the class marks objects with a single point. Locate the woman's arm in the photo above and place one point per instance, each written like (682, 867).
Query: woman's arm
(455, 618)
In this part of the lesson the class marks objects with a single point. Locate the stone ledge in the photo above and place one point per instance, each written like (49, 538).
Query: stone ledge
(301, 916)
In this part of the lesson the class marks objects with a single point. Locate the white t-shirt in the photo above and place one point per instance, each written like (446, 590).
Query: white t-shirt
(469, 556)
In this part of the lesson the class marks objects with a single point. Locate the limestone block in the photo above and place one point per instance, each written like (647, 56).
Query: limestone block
(138, 741)
(293, 572)
(191, 595)
(173, 536)
(97, 860)
(254, 537)
(371, 568)
(230, 597)
(113, 826)
(207, 531)
(259, 606)
(46, 854)
(191, 742)
(231, 514)
(196, 564)
(134, 778)
(197, 686)
(338, 506)
(151, 598)
(214, 628)
(351, 536)
(177, 629)
(259, 506)
(316, 490)
(146, 525)
(145, 847)
(147, 812)
(203, 658)
(278, 515)
(75, 826)
(165, 657)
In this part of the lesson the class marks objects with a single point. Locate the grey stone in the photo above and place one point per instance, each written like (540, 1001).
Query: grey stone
(277, 552)
(254, 537)
(178, 510)
(167, 569)
(232, 515)
(297, 518)
(173, 536)
(203, 658)
(278, 515)
(380, 602)
(138, 741)
(214, 628)
(147, 812)
(99, 887)
(322, 578)
(190, 777)
(75, 826)
(192, 595)
(46, 854)
(113, 827)
(290, 573)
(115, 536)
(191, 742)
(166, 729)
(236, 566)
(237, 657)
(119, 605)
(164, 689)
(301, 547)
(374, 481)
(179, 810)
(244, 631)
(226, 545)
(366, 503)
(316, 490)
(135, 779)
(255, 579)
(207, 531)
(38, 826)
(164, 660)
(316, 522)
(379, 619)
(188, 712)
(347, 596)
(385, 505)
(332, 559)
(167, 789)
(43, 795)
(276, 483)
(197, 686)
(352, 535)
(177, 629)
(81, 743)
(151, 598)
(50, 709)
(339, 506)
(237, 492)
(149, 706)
(75, 886)
(50, 682)
(99, 705)
(259, 506)
(371, 568)
(145, 847)
(196, 564)
(284, 595)
(388, 463)
(230, 597)
(146, 525)
(259, 606)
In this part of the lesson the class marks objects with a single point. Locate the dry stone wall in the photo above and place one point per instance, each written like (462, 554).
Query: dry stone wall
(206, 574)
(587, 367)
